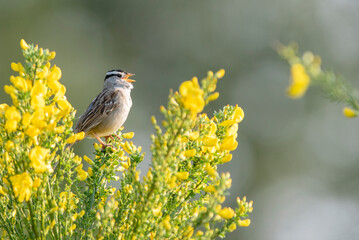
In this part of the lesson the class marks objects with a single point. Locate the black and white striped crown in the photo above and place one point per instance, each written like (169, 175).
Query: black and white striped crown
(117, 72)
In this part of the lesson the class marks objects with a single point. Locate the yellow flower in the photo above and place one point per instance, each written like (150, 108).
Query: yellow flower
(227, 158)
(64, 106)
(210, 74)
(213, 96)
(60, 93)
(128, 188)
(23, 44)
(3, 108)
(20, 83)
(244, 223)
(43, 73)
(127, 147)
(76, 137)
(229, 143)
(220, 73)
(188, 232)
(349, 113)
(26, 119)
(37, 101)
(11, 125)
(238, 114)
(210, 149)
(52, 55)
(81, 175)
(17, 67)
(77, 159)
(22, 184)
(59, 129)
(12, 113)
(212, 129)
(9, 145)
(226, 213)
(32, 131)
(50, 110)
(79, 167)
(210, 170)
(38, 94)
(73, 227)
(128, 135)
(190, 153)
(90, 172)
(37, 182)
(172, 181)
(227, 123)
(55, 74)
(13, 117)
(11, 91)
(199, 233)
(55, 86)
(232, 227)
(182, 175)
(193, 136)
(233, 130)
(192, 96)
(37, 118)
(38, 157)
(82, 213)
(210, 141)
(210, 189)
(157, 211)
(300, 81)
(166, 222)
(88, 160)
(2, 191)
(38, 89)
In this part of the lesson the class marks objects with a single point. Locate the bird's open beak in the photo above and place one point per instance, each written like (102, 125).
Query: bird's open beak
(129, 75)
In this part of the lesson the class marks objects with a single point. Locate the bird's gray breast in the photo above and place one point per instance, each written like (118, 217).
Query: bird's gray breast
(116, 118)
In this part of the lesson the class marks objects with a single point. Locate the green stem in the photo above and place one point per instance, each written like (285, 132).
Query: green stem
(33, 225)
(52, 215)
(9, 230)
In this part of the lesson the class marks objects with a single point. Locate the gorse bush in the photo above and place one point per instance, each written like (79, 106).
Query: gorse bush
(45, 192)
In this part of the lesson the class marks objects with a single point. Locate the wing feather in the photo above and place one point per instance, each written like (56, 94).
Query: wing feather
(98, 110)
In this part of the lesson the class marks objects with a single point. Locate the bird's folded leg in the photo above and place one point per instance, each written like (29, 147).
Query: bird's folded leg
(118, 136)
(104, 145)
(107, 137)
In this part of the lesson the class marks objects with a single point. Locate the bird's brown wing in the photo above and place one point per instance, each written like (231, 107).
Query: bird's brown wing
(98, 110)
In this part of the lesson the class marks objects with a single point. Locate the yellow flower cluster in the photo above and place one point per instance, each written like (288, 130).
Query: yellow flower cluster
(22, 184)
(68, 200)
(192, 95)
(81, 174)
(39, 113)
(211, 141)
(186, 158)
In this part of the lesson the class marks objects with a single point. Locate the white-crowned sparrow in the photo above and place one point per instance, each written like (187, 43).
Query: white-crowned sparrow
(109, 110)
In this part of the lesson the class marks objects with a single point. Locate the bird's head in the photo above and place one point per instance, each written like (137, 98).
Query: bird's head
(119, 77)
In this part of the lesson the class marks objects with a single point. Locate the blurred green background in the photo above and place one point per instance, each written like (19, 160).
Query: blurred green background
(297, 160)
